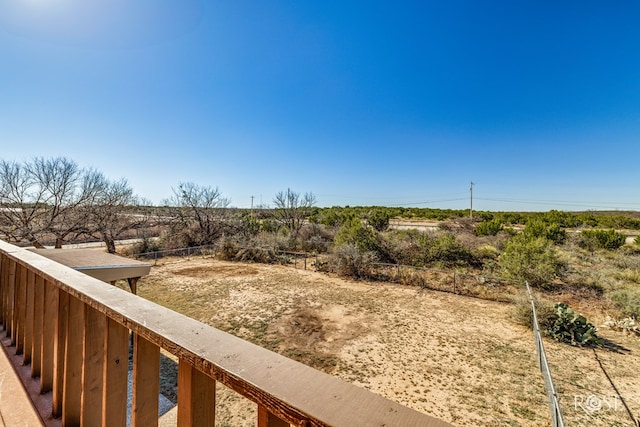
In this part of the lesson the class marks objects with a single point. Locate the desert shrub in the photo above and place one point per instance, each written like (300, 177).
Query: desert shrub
(448, 252)
(523, 315)
(488, 228)
(486, 252)
(601, 239)
(355, 232)
(536, 228)
(534, 260)
(275, 241)
(315, 238)
(334, 217)
(572, 328)
(145, 245)
(637, 240)
(379, 220)
(586, 286)
(262, 255)
(248, 226)
(420, 249)
(628, 302)
(227, 249)
(348, 260)
(407, 247)
(412, 277)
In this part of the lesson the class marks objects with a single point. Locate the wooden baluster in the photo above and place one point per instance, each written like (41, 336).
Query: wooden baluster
(30, 300)
(196, 397)
(38, 327)
(3, 291)
(59, 349)
(50, 320)
(11, 300)
(267, 419)
(146, 383)
(93, 366)
(11, 292)
(72, 387)
(115, 375)
(20, 307)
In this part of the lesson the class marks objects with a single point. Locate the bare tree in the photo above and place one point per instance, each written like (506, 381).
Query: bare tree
(113, 211)
(291, 209)
(21, 204)
(55, 200)
(199, 212)
(64, 187)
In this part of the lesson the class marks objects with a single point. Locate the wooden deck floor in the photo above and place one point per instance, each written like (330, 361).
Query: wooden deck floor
(16, 408)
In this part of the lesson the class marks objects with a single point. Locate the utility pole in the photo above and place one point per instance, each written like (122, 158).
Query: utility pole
(252, 197)
(471, 200)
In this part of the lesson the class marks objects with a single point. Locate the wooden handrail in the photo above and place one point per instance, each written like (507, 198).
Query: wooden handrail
(81, 348)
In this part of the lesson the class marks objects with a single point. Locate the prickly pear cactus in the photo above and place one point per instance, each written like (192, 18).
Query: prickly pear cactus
(572, 328)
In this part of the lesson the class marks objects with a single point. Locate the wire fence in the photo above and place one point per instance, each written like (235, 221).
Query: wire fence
(193, 250)
(301, 259)
(483, 286)
(552, 395)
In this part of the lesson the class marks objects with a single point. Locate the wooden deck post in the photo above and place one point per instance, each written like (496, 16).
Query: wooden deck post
(133, 284)
(114, 399)
(196, 397)
(146, 383)
(267, 419)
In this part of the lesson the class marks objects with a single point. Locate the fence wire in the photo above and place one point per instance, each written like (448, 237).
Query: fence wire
(552, 395)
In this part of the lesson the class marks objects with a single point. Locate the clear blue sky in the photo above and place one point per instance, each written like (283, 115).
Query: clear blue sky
(359, 102)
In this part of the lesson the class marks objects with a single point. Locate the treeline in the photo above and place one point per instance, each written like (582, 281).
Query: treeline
(594, 219)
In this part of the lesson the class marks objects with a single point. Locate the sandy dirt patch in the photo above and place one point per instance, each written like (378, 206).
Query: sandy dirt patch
(460, 359)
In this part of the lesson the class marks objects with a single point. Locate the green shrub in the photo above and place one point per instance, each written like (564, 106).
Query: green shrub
(572, 328)
(486, 252)
(355, 232)
(539, 228)
(448, 252)
(379, 220)
(601, 239)
(488, 228)
(533, 260)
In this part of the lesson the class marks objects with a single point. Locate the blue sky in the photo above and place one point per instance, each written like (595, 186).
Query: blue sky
(361, 103)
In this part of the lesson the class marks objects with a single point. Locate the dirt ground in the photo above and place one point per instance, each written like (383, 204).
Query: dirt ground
(460, 359)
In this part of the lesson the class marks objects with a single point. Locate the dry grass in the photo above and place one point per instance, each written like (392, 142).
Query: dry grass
(463, 360)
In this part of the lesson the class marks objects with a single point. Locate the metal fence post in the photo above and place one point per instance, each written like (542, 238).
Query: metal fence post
(454, 282)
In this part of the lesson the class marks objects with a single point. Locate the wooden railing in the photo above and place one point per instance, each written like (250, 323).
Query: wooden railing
(74, 332)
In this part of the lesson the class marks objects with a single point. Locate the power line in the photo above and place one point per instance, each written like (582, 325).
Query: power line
(591, 205)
